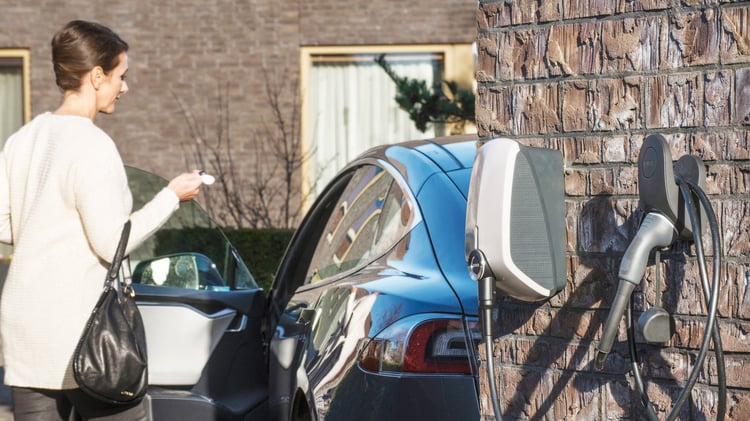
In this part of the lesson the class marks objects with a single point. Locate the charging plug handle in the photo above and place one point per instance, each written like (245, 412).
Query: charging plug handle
(656, 230)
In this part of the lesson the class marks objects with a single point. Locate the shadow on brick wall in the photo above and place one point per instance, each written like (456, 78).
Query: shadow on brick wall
(553, 373)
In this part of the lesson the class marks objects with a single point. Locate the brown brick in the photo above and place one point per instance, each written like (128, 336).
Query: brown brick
(618, 400)
(674, 101)
(579, 399)
(582, 150)
(737, 369)
(735, 40)
(662, 398)
(602, 181)
(638, 6)
(510, 318)
(741, 183)
(616, 104)
(717, 105)
(606, 225)
(571, 226)
(587, 8)
(535, 109)
(742, 114)
(528, 53)
(576, 324)
(719, 179)
(694, 39)
(493, 15)
(705, 401)
(734, 335)
(576, 182)
(667, 364)
(506, 57)
(626, 182)
(740, 407)
(738, 145)
(574, 49)
(636, 141)
(735, 220)
(575, 109)
(531, 11)
(579, 356)
(681, 291)
(615, 149)
(631, 45)
(711, 146)
(525, 393)
(488, 57)
(540, 352)
(493, 111)
(588, 285)
(736, 296)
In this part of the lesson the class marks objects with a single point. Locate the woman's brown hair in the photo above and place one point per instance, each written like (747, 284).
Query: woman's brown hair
(79, 47)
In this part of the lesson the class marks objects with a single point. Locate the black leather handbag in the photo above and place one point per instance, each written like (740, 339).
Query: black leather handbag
(110, 361)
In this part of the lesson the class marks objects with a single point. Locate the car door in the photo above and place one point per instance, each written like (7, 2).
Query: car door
(203, 313)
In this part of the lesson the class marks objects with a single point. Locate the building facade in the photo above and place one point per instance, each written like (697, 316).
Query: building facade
(229, 74)
(592, 79)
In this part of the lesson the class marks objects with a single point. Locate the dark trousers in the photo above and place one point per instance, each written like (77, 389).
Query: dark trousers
(69, 405)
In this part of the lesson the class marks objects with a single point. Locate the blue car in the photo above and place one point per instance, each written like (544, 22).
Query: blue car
(372, 314)
(373, 311)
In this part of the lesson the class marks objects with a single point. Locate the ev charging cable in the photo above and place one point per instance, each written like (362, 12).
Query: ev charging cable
(688, 187)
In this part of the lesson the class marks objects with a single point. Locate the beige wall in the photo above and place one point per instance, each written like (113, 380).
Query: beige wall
(592, 79)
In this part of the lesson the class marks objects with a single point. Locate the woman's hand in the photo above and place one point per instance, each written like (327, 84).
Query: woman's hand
(186, 186)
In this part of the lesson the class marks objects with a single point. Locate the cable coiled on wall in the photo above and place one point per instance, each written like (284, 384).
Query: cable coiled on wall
(711, 295)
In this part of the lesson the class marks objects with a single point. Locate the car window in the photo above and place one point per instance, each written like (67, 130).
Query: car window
(395, 220)
(349, 236)
(193, 252)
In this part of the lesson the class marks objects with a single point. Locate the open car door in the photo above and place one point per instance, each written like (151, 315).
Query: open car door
(203, 313)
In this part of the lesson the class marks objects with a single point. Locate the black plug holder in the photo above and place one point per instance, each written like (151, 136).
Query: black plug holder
(657, 184)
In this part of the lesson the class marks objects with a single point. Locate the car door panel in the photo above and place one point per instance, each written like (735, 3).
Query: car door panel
(206, 358)
(180, 340)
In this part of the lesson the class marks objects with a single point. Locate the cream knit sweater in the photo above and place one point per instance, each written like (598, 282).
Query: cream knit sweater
(64, 198)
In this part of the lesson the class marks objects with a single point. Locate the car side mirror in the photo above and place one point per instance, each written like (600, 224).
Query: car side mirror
(182, 270)
(515, 219)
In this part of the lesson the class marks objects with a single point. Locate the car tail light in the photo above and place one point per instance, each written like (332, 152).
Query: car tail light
(422, 344)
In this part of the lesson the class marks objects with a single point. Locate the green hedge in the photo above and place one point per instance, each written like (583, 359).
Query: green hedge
(260, 249)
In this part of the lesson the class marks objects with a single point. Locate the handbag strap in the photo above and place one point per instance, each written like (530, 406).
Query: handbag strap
(114, 268)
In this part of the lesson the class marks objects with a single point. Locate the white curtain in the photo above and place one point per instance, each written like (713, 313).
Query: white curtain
(352, 109)
(11, 102)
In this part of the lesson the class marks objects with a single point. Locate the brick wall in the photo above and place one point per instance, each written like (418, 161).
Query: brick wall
(592, 78)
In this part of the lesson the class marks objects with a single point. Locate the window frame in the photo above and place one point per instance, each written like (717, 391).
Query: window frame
(24, 54)
(458, 62)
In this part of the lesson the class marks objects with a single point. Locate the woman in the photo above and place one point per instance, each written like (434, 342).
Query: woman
(64, 198)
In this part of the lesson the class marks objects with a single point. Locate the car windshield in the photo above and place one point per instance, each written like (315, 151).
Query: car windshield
(188, 230)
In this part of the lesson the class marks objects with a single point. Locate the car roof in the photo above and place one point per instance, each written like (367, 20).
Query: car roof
(450, 152)
(443, 154)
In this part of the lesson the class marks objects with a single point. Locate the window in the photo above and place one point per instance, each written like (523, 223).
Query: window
(349, 235)
(15, 103)
(369, 218)
(188, 251)
(348, 100)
